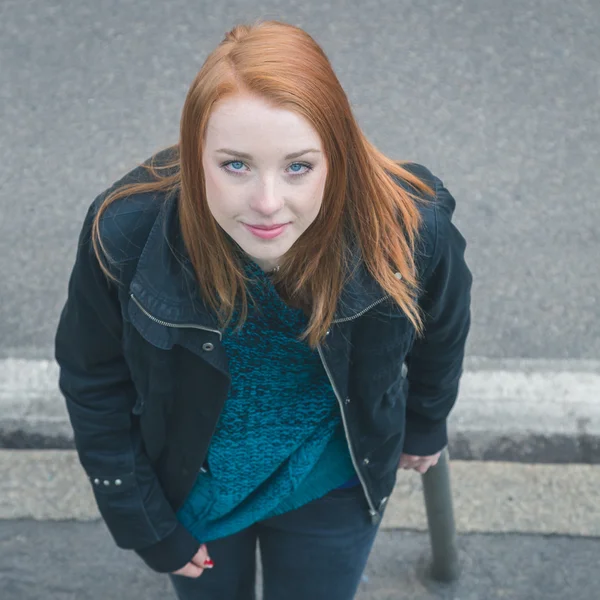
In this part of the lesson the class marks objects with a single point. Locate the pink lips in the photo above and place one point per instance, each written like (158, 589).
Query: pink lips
(266, 233)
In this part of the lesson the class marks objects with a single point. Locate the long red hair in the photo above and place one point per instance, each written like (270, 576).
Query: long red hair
(362, 204)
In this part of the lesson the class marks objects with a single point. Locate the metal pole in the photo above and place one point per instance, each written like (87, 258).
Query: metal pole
(440, 518)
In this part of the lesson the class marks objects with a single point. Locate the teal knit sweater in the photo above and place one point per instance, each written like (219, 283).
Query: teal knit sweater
(279, 442)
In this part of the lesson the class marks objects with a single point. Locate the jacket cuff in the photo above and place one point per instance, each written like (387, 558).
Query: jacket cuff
(423, 437)
(171, 553)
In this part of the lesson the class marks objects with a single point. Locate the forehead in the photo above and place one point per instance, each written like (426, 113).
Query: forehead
(245, 119)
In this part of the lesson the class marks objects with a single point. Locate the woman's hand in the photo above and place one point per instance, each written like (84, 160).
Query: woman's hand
(196, 566)
(418, 463)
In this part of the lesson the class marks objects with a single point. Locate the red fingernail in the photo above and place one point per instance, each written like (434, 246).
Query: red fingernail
(209, 563)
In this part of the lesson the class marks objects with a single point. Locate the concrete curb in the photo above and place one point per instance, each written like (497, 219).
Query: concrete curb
(511, 410)
(488, 496)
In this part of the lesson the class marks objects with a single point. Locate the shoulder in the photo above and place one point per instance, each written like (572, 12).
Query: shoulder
(436, 213)
(125, 224)
(443, 204)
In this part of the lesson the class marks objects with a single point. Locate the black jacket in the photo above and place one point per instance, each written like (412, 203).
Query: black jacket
(145, 376)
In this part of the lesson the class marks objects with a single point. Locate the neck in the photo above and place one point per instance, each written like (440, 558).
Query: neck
(268, 266)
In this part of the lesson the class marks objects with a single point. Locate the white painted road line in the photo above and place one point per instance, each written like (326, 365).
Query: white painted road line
(533, 402)
(499, 398)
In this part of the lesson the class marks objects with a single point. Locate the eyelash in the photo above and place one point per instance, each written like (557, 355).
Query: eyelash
(309, 168)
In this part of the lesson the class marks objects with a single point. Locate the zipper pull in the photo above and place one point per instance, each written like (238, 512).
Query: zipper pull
(375, 517)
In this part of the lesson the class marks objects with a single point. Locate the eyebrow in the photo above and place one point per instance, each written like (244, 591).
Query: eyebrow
(249, 156)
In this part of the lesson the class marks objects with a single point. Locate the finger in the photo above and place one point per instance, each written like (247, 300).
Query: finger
(410, 458)
(201, 558)
(191, 570)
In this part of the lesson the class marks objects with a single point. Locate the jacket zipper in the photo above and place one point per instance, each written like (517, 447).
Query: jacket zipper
(177, 325)
(361, 313)
(374, 514)
(372, 511)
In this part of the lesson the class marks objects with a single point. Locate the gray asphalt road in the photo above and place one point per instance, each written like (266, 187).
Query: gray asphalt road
(498, 98)
(65, 560)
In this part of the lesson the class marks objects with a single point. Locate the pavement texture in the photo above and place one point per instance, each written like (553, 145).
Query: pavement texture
(524, 531)
(500, 99)
(488, 496)
(79, 561)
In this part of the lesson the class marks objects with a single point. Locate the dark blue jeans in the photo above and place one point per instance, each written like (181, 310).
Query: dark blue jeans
(316, 552)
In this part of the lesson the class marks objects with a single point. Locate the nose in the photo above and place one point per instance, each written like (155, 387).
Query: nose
(266, 200)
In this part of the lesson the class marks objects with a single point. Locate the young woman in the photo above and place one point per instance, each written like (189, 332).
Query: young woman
(264, 322)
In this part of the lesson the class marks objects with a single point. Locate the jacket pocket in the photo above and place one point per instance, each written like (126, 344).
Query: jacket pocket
(153, 427)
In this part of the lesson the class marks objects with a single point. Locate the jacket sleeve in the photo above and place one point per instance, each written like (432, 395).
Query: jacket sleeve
(435, 361)
(99, 393)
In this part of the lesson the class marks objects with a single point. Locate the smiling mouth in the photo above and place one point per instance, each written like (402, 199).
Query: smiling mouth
(266, 232)
(267, 227)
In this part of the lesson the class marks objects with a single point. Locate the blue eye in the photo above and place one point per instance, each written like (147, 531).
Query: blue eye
(237, 163)
(306, 166)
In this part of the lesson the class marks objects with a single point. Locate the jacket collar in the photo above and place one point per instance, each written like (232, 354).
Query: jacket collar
(164, 283)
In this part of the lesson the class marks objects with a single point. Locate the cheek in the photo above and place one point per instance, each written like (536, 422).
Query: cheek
(314, 201)
(213, 187)
(217, 196)
(306, 209)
